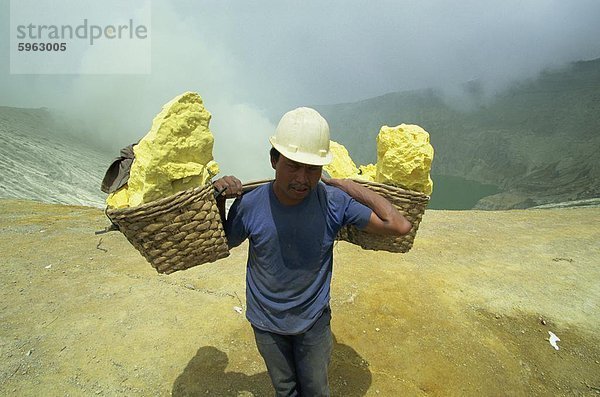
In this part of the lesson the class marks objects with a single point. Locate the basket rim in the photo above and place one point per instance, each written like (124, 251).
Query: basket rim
(392, 187)
(161, 201)
(247, 187)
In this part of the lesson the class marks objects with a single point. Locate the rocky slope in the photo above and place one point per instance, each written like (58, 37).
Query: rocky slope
(43, 159)
(539, 141)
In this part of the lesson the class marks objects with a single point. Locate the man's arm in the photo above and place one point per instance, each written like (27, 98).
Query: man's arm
(230, 187)
(385, 218)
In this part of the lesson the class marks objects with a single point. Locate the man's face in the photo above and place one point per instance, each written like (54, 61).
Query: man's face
(294, 181)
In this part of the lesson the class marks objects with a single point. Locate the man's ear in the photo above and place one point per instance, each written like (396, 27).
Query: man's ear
(273, 162)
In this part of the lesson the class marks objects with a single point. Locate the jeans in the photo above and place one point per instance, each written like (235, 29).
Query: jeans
(297, 364)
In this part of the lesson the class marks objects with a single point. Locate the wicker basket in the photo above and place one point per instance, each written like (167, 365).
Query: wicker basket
(176, 232)
(410, 203)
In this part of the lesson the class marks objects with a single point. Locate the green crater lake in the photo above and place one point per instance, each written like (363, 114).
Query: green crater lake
(456, 193)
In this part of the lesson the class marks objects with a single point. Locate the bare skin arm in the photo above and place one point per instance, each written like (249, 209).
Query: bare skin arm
(385, 219)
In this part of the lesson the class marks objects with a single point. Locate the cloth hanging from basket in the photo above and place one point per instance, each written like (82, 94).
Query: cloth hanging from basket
(117, 174)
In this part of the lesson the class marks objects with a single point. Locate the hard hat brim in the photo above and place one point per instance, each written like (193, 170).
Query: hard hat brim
(302, 157)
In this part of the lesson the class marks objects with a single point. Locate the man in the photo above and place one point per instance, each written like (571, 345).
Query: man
(292, 223)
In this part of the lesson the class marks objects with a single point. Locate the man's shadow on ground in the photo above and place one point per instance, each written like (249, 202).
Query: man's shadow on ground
(205, 375)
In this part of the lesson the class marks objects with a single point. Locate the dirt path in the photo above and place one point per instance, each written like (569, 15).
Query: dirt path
(465, 313)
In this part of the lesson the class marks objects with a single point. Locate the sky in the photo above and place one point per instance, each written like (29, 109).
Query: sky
(252, 61)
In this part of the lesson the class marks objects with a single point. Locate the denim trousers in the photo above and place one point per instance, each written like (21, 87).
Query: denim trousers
(297, 364)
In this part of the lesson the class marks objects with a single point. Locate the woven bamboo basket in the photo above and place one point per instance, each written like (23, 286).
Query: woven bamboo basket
(410, 203)
(176, 232)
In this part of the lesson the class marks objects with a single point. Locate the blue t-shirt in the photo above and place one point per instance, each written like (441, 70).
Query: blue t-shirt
(291, 253)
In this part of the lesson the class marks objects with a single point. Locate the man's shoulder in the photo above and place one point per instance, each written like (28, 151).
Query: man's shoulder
(258, 192)
(342, 209)
(334, 194)
(255, 196)
(341, 200)
(335, 199)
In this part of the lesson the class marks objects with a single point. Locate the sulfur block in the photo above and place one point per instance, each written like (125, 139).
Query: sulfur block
(367, 172)
(118, 199)
(176, 154)
(342, 165)
(404, 157)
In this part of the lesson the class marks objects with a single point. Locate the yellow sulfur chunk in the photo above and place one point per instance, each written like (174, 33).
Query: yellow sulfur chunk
(404, 157)
(367, 172)
(212, 168)
(118, 199)
(342, 165)
(176, 154)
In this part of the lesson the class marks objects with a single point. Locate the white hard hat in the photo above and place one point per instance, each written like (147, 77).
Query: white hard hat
(302, 135)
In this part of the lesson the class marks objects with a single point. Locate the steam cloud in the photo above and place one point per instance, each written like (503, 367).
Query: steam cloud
(251, 62)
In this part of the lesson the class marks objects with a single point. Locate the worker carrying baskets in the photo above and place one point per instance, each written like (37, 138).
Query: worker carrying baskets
(291, 223)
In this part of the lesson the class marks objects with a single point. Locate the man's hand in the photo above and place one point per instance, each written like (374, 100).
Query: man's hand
(229, 186)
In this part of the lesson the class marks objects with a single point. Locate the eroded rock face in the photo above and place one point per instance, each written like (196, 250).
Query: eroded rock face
(175, 155)
(505, 201)
(404, 157)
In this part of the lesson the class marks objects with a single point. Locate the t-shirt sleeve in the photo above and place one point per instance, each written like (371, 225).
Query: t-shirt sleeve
(357, 214)
(348, 211)
(235, 229)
